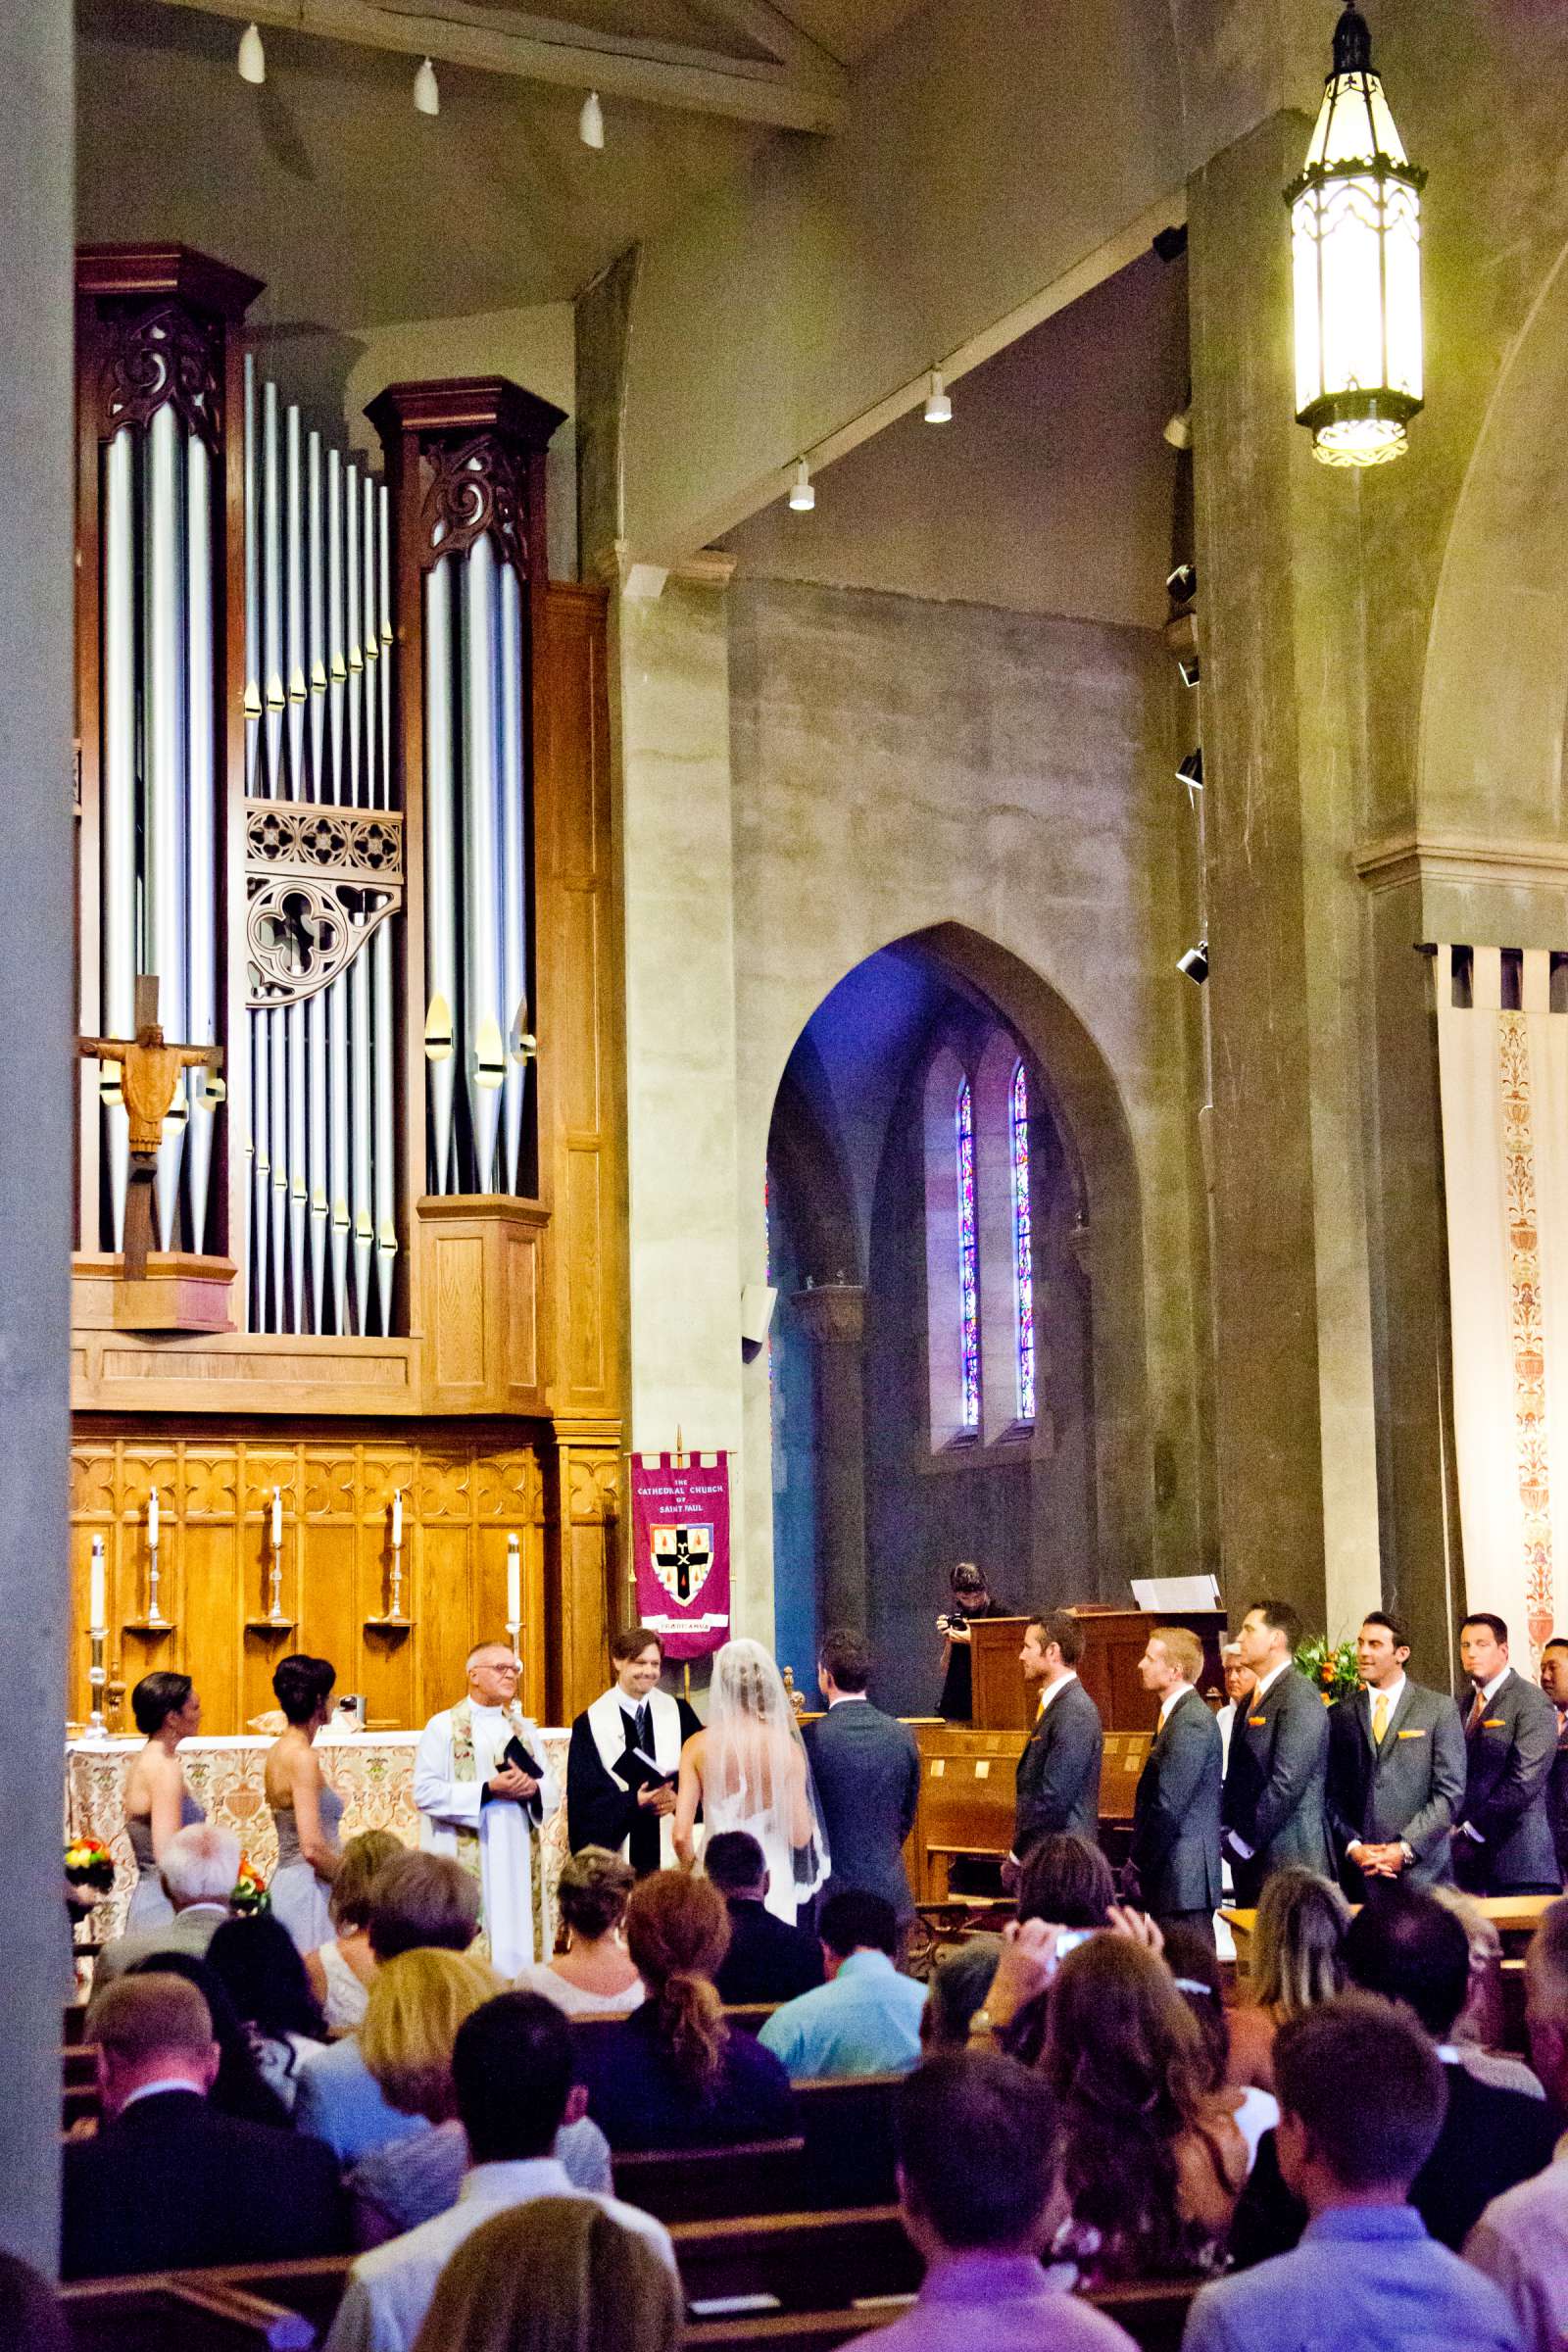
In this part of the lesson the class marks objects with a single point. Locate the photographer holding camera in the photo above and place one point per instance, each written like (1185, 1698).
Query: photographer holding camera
(970, 1598)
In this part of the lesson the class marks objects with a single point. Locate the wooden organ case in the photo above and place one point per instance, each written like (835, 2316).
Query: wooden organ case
(343, 790)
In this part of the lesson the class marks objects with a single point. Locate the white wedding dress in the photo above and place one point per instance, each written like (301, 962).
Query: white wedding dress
(757, 1775)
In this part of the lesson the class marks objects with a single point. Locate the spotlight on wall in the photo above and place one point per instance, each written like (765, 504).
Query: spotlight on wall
(1181, 585)
(591, 123)
(1171, 243)
(427, 90)
(1178, 429)
(938, 405)
(252, 57)
(1187, 670)
(1194, 966)
(1190, 770)
(803, 491)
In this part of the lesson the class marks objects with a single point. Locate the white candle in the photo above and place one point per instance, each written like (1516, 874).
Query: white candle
(513, 1582)
(277, 1519)
(152, 1520)
(97, 1602)
(397, 1516)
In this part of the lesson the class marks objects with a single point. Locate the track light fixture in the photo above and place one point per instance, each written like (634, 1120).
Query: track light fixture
(1181, 585)
(591, 123)
(1188, 670)
(1194, 966)
(427, 90)
(1191, 771)
(1178, 429)
(252, 57)
(802, 490)
(938, 403)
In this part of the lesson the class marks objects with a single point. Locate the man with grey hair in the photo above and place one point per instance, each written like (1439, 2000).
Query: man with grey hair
(1521, 2240)
(199, 1870)
(484, 1796)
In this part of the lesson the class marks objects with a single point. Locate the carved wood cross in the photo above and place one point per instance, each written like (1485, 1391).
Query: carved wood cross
(150, 1073)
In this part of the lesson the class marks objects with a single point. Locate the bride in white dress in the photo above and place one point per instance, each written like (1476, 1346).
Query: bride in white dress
(748, 1771)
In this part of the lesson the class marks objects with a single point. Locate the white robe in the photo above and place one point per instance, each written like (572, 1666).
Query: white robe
(505, 1831)
(608, 1719)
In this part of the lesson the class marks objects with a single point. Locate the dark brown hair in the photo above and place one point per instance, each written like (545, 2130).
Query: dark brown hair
(632, 1640)
(592, 1890)
(1065, 1630)
(1360, 2040)
(846, 1655)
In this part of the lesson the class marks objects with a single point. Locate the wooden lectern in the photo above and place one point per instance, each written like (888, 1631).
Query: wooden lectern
(1003, 1700)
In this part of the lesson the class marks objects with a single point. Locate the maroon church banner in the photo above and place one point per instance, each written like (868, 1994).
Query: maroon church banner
(680, 1535)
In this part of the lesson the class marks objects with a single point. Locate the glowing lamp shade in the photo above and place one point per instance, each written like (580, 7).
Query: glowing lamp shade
(1355, 238)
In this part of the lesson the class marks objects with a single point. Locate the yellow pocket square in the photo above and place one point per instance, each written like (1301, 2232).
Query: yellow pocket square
(1258, 1719)
(1411, 1735)
(1495, 1723)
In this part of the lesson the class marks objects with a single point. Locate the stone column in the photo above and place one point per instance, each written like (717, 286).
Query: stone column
(37, 1084)
(671, 663)
(1280, 590)
(834, 1314)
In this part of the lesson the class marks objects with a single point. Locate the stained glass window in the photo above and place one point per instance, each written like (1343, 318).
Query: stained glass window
(968, 1263)
(1023, 1270)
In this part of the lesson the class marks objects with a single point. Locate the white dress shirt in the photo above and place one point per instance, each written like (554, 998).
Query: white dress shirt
(1052, 1688)
(1172, 1699)
(389, 2289)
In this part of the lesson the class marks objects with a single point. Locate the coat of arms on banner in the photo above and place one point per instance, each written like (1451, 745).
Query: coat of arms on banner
(682, 1558)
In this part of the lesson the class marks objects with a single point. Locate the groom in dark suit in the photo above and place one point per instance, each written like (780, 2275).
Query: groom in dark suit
(868, 1773)
(1396, 1767)
(1175, 1849)
(1274, 1807)
(1503, 1841)
(1058, 1772)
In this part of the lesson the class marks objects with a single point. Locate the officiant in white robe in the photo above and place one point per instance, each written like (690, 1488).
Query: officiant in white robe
(489, 1814)
(603, 1806)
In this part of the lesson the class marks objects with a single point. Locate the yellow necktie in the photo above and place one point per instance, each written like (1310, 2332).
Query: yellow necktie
(1380, 1718)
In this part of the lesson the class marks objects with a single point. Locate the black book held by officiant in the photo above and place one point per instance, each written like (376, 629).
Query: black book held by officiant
(638, 1770)
(518, 1756)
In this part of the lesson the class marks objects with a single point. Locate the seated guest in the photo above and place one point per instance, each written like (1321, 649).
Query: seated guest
(1365, 2272)
(199, 1871)
(557, 2276)
(1194, 1963)
(1066, 1879)
(976, 2174)
(1151, 2159)
(959, 1986)
(767, 1959)
(1521, 2240)
(239, 2088)
(31, 2319)
(1297, 1960)
(1407, 1947)
(259, 1966)
(511, 2073)
(1478, 2030)
(166, 2183)
(865, 2020)
(418, 1903)
(672, 2075)
(593, 1977)
(340, 1972)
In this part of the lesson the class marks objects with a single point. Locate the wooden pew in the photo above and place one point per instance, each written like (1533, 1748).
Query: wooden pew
(178, 2312)
(805, 2261)
(848, 2141)
(701, 2185)
(1154, 2316)
(313, 2289)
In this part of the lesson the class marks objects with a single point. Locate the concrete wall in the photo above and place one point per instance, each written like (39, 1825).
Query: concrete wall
(900, 766)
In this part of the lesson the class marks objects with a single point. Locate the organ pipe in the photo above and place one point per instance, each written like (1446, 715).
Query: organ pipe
(512, 784)
(201, 832)
(315, 543)
(440, 870)
(294, 600)
(163, 831)
(272, 690)
(483, 1059)
(253, 576)
(118, 814)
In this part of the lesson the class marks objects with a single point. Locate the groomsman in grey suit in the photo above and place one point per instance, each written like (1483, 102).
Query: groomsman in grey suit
(1396, 1769)
(1554, 1682)
(1175, 1849)
(1503, 1838)
(868, 1773)
(1274, 1807)
(1058, 1772)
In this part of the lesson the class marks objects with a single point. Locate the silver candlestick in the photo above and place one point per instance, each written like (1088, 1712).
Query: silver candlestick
(97, 1674)
(155, 1613)
(395, 1611)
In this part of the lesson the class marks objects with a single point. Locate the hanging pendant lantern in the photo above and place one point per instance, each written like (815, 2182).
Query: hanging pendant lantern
(1355, 237)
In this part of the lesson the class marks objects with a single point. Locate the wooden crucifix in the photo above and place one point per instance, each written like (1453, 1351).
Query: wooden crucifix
(150, 1073)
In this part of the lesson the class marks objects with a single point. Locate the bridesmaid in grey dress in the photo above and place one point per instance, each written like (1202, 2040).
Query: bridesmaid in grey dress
(158, 1802)
(306, 1810)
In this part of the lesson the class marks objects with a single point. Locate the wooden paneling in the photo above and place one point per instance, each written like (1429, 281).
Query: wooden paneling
(464, 1493)
(484, 1299)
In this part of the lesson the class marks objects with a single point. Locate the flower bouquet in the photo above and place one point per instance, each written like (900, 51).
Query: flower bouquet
(89, 1864)
(1329, 1666)
(250, 1888)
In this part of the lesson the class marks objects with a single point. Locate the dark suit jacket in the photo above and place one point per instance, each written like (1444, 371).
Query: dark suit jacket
(1411, 1787)
(767, 1960)
(1511, 1754)
(1557, 1802)
(601, 1810)
(172, 2184)
(1491, 2139)
(1175, 1847)
(1275, 1784)
(868, 1773)
(1058, 1772)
